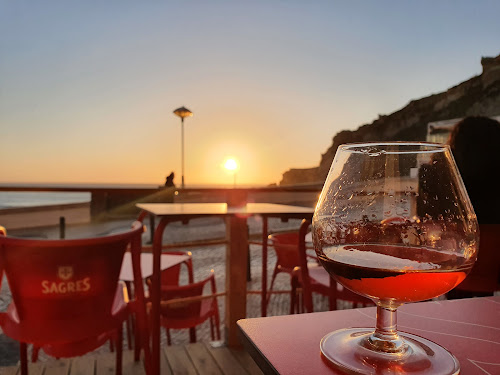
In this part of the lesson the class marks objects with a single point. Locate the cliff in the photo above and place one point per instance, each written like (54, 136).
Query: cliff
(479, 95)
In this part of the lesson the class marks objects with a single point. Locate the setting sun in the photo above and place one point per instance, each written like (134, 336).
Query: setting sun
(231, 164)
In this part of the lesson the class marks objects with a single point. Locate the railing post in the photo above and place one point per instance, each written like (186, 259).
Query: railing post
(62, 227)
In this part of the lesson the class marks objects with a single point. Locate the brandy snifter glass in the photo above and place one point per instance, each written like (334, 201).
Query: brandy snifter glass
(393, 223)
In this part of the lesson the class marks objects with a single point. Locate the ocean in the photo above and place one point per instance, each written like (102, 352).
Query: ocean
(14, 199)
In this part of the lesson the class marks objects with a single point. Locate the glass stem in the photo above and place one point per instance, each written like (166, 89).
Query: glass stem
(386, 338)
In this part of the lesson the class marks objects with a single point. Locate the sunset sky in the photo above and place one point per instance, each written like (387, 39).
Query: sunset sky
(87, 88)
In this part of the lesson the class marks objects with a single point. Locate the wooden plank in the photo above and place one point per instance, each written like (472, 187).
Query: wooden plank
(82, 365)
(246, 361)
(179, 361)
(105, 364)
(164, 366)
(35, 368)
(130, 366)
(192, 359)
(226, 361)
(59, 367)
(10, 370)
(202, 359)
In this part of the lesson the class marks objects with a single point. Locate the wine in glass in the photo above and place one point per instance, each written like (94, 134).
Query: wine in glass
(393, 223)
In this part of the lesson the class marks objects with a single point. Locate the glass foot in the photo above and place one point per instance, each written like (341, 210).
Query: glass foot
(349, 351)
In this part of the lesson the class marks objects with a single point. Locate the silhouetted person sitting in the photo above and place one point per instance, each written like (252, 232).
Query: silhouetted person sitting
(169, 182)
(475, 144)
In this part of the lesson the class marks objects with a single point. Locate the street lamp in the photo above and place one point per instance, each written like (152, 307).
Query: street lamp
(182, 112)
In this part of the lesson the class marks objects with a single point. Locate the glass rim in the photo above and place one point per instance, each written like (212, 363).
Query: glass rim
(414, 147)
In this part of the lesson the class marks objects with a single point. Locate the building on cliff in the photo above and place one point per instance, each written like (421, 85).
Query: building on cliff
(478, 96)
(439, 131)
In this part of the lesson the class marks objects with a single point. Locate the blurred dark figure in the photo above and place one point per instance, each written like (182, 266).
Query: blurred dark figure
(169, 182)
(475, 144)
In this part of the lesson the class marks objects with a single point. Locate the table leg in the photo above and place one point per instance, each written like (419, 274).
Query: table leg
(263, 303)
(236, 282)
(249, 268)
(152, 227)
(155, 297)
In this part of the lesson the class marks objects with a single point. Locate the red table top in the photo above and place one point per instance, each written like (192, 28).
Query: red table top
(469, 328)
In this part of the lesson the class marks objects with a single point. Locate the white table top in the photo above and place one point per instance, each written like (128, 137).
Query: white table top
(198, 209)
(167, 261)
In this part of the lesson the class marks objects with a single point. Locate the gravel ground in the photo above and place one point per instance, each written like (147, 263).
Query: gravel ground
(204, 259)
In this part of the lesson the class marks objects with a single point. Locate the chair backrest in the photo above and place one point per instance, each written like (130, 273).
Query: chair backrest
(64, 289)
(485, 275)
(191, 308)
(3, 232)
(335, 291)
(286, 248)
(171, 276)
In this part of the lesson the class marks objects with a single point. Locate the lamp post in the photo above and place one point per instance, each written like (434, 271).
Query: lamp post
(182, 112)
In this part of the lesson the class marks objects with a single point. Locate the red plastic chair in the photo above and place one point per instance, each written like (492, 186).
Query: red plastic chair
(484, 279)
(286, 246)
(287, 256)
(313, 278)
(186, 306)
(171, 277)
(66, 297)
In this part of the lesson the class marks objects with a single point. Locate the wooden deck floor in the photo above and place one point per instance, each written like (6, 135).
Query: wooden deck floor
(190, 359)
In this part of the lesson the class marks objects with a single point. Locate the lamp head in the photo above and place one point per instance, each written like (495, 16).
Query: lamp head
(183, 112)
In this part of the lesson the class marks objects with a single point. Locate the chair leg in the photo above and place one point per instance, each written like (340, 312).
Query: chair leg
(273, 278)
(275, 273)
(192, 335)
(130, 321)
(34, 353)
(137, 342)
(217, 331)
(211, 328)
(332, 295)
(169, 339)
(130, 328)
(300, 303)
(23, 354)
(119, 348)
(293, 296)
(217, 326)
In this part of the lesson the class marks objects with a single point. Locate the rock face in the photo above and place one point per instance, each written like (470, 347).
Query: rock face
(478, 96)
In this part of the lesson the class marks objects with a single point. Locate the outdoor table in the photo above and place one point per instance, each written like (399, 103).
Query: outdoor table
(236, 254)
(167, 261)
(289, 345)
